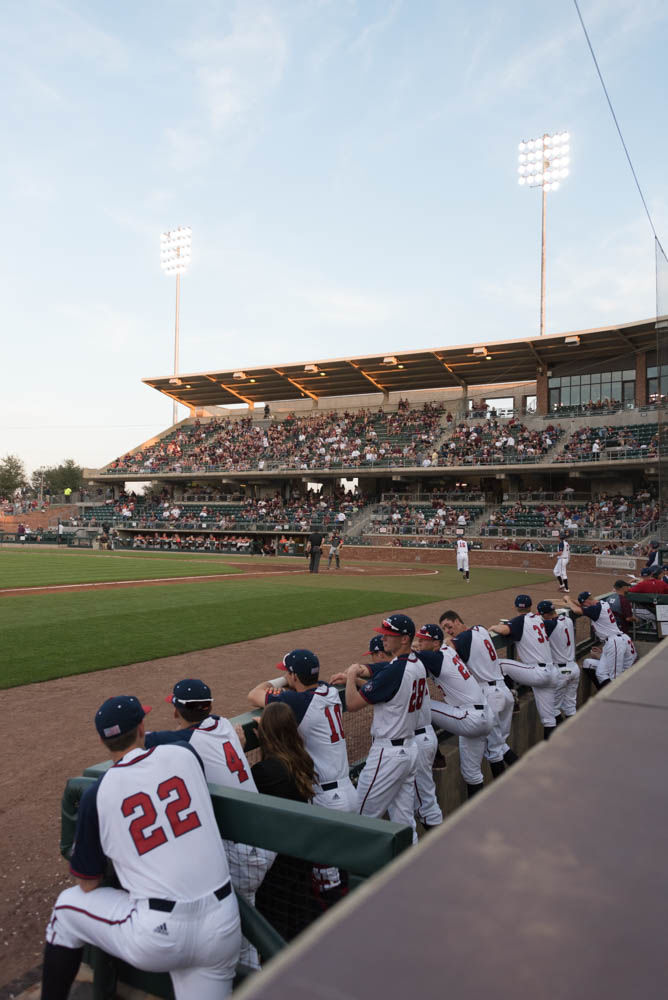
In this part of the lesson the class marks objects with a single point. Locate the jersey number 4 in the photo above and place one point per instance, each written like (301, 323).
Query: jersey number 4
(179, 823)
(417, 695)
(235, 763)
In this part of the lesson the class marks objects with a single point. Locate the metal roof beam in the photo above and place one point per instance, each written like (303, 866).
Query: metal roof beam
(233, 392)
(296, 384)
(458, 380)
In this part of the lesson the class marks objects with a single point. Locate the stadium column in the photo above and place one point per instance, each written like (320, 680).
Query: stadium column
(641, 378)
(542, 398)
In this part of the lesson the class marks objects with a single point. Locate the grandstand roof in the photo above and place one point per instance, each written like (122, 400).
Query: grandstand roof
(461, 366)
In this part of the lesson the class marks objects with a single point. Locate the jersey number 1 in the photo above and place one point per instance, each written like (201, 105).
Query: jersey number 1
(179, 824)
(333, 726)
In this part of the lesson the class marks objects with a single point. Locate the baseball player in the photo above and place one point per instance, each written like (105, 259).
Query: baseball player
(335, 546)
(218, 746)
(426, 804)
(534, 666)
(465, 712)
(463, 558)
(561, 636)
(617, 651)
(475, 647)
(561, 566)
(387, 782)
(151, 815)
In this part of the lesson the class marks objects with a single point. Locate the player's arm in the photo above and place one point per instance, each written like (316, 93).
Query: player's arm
(258, 696)
(501, 629)
(354, 700)
(363, 674)
(571, 605)
(88, 862)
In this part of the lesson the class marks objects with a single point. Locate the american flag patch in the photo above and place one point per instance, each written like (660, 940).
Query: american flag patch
(112, 731)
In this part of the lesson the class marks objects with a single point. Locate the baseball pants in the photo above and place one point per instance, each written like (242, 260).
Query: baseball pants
(426, 804)
(343, 798)
(566, 692)
(314, 560)
(248, 866)
(561, 568)
(472, 725)
(542, 679)
(463, 565)
(334, 555)
(617, 655)
(197, 943)
(387, 782)
(502, 702)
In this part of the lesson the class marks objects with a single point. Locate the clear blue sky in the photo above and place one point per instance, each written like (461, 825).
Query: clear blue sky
(348, 168)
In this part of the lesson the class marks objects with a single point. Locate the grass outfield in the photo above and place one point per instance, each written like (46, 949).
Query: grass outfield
(50, 567)
(60, 634)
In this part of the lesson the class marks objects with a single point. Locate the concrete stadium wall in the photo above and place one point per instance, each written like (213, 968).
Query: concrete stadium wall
(477, 557)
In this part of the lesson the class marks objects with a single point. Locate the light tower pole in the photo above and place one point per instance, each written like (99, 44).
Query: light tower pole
(544, 163)
(175, 254)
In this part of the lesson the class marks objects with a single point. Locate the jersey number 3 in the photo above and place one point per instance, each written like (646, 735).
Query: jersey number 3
(180, 824)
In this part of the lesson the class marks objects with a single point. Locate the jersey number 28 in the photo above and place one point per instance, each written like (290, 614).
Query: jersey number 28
(417, 695)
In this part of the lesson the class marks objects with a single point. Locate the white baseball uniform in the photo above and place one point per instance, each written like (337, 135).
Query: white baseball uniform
(561, 635)
(534, 667)
(426, 802)
(225, 764)
(561, 565)
(462, 555)
(476, 649)
(466, 711)
(151, 815)
(387, 782)
(618, 653)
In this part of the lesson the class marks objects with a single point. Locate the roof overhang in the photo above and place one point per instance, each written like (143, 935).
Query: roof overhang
(460, 366)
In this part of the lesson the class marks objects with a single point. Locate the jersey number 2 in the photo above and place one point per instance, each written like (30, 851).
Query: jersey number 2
(179, 824)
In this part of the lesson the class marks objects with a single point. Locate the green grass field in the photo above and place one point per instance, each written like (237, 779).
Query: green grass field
(60, 634)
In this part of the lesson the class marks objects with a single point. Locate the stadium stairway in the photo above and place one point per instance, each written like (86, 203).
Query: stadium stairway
(359, 522)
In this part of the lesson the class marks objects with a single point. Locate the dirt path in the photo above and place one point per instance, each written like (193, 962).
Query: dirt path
(50, 735)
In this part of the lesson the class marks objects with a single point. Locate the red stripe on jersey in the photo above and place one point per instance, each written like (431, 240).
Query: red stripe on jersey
(94, 916)
(129, 763)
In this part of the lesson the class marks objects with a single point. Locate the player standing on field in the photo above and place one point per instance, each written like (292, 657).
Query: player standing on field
(534, 666)
(216, 742)
(151, 815)
(462, 548)
(475, 647)
(618, 652)
(561, 566)
(465, 711)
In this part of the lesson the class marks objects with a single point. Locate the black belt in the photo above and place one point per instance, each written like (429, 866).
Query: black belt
(398, 743)
(541, 664)
(420, 732)
(329, 786)
(492, 683)
(562, 664)
(167, 905)
(479, 707)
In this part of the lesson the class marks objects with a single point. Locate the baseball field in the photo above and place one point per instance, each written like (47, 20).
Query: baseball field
(70, 612)
(79, 626)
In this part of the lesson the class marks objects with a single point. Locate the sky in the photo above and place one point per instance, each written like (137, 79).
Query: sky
(349, 171)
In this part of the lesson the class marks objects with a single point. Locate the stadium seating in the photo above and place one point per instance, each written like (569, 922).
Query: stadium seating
(592, 444)
(604, 518)
(421, 519)
(491, 442)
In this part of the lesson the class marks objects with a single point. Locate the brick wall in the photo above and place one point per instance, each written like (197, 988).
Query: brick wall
(477, 557)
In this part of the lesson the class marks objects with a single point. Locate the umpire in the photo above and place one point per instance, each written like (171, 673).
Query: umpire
(314, 548)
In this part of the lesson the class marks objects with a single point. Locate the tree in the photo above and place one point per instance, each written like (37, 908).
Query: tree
(12, 475)
(56, 478)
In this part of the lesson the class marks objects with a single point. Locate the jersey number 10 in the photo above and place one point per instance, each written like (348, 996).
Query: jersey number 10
(334, 725)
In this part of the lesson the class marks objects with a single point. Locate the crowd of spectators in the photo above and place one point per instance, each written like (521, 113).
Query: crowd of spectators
(317, 441)
(491, 442)
(606, 516)
(420, 519)
(600, 406)
(589, 444)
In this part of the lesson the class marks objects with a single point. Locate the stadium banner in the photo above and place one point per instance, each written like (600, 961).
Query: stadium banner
(615, 562)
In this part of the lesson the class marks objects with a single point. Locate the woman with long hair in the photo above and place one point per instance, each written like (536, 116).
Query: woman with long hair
(286, 770)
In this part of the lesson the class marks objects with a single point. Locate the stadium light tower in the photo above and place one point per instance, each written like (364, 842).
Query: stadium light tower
(175, 252)
(544, 163)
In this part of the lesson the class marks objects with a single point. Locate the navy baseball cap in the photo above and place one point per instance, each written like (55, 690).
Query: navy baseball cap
(119, 715)
(646, 571)
(584, 596)
(375, 646)
(545, 607)
(189, 690)
(523, 601)
(397, 625)
(431, 632)
(303, 663)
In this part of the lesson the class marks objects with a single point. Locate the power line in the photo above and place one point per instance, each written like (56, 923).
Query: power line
(614, 118)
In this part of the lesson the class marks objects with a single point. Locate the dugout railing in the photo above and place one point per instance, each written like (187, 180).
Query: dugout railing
(355, 844)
